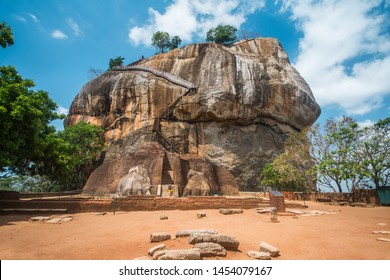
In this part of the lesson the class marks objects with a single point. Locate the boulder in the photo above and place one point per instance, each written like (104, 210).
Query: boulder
(209, 249)
(228, 242)
(233, 96)
(184, 254)
(163, 217)
(159, 236)
(259, 255)
(265, 247)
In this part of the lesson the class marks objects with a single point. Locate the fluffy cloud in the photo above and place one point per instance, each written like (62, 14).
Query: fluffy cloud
(62, 110)
(344, 54)
(58, 34)
(189, 18)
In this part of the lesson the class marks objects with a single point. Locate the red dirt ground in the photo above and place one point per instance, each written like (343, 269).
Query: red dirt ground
(347, 234)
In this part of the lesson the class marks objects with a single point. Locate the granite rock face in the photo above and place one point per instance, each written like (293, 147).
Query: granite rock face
(247, 99)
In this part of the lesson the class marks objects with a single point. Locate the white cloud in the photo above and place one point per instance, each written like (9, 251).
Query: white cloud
(75, 27)
(62, 110)
(34, 18)
(20, 18)
(366, 123)
(344, 54)
(58, 34)
(189, 18)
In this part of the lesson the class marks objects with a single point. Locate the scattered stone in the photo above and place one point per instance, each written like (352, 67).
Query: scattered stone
(185, 254)
(156, 248)
(228, 242)
(101, 213)
(66, 219)
(39, 218)
(183, 233)
(209, 249)
(259, 255)
(201, 215)
(383, 239)
(159, 236)
(298, 212)
(54, 221)
(358, 204)
(60, 220)
(381, 232)
(265, 210)
(163, 217)
(230, 211)
(265, 247)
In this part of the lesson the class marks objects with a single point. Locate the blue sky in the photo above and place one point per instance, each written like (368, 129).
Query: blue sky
(341, 48)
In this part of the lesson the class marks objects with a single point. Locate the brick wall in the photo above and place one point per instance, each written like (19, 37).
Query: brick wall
(133, 203)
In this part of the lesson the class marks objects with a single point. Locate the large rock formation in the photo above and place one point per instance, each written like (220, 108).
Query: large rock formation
(224, 111)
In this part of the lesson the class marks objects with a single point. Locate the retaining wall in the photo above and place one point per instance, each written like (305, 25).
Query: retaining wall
(131, 203)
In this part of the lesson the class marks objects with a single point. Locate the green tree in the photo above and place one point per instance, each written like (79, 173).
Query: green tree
(72, 155)
(374, 152)
(162, 41)
(6, 36)
(25, 117)
(222, 34)
(118, 61)
(336, 157)
(293, 170)
(175, 42)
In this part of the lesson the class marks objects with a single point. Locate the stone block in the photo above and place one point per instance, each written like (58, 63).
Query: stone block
(185, 254)
(228, 242)
(159, 236)
(231, 211)
(184, 233)
(265, 247)
(209, 249)
(259, 255)
(201, 215)
(159, 247)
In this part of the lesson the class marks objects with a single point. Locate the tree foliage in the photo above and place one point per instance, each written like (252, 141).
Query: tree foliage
(162, 41)
(33, 155)
(118, 61)
(222, 34)
(293, 170)
(6, 36)
(175, 42)
(374, 152)
(341, 156)
(73, 154)
(335, 152)
(25, 117)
